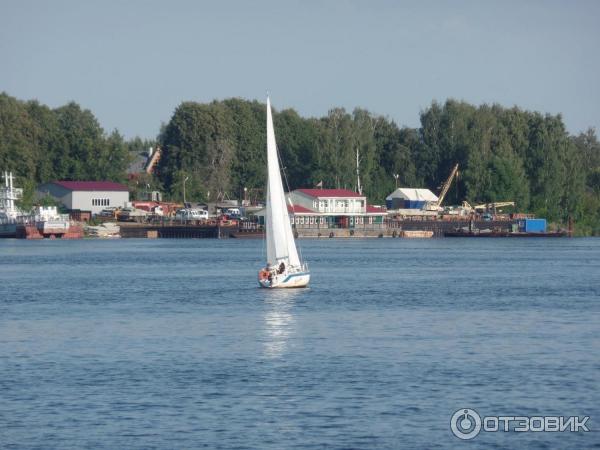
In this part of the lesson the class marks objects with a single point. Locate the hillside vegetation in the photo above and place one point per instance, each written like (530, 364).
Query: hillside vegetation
(504, 153)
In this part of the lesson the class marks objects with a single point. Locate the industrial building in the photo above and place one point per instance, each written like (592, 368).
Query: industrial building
(92, 196)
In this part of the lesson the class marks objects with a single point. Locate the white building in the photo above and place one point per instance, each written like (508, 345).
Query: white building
(91, 196)
(331, 208)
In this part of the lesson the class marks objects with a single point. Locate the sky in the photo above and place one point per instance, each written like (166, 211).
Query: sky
(132, 62)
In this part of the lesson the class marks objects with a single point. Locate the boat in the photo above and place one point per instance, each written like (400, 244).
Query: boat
(9, 213)
(41, 222)
(284, 268)
(472, 231)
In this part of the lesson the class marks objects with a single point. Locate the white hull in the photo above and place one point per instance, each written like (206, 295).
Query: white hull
(292, 280)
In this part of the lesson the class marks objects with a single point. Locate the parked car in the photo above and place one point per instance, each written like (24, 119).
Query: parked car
(132, 215)
(191, 214)
(110, 211)
(233, 214)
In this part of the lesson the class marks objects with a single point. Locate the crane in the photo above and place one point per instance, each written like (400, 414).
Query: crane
(435, 206)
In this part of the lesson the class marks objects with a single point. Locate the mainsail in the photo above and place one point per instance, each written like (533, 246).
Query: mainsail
(280, 238)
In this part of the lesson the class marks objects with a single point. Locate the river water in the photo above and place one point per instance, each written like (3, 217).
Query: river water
(171, 344)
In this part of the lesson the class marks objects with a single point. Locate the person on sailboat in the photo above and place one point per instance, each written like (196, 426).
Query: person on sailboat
(265, 274)
(281, 268)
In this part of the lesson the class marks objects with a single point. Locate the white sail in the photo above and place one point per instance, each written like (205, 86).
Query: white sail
(280, 238)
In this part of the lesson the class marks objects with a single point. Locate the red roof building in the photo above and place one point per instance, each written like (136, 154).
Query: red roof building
(330, 201)
(332, 208)
(330, 193)
(91, 185)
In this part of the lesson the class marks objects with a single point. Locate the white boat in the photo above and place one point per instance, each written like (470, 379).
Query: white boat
(284, 267)
(9, 213)
(45, 219)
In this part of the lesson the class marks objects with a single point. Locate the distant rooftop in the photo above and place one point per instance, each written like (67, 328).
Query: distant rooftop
(91, 185)
(330, 193)
(375, 209)
(138, 164)
(299, 209)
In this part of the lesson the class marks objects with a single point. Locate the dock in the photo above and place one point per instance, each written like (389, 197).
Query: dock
(390, 229)
(176, 231)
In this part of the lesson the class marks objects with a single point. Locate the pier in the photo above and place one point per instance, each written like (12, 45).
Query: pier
(176, 231)
(248, 230)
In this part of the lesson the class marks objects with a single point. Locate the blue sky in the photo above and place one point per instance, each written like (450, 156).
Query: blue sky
(133, 62)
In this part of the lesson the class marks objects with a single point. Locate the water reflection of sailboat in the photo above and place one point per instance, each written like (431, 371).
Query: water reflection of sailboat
(279, 323)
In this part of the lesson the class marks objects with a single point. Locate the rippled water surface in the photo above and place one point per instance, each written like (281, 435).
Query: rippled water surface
(170, 344)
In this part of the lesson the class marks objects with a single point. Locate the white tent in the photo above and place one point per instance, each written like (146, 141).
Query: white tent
(413, 195)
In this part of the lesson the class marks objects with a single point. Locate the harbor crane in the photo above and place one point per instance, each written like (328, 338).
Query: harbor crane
(436, 206)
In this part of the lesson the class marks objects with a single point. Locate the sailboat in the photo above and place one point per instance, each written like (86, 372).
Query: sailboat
(284, 268)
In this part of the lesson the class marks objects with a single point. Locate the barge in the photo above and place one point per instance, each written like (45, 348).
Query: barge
(500, 234)
(523, 228)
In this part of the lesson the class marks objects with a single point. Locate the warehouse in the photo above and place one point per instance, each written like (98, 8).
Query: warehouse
(92, 196)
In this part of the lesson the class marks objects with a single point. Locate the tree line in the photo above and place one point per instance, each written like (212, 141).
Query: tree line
(504, 154)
